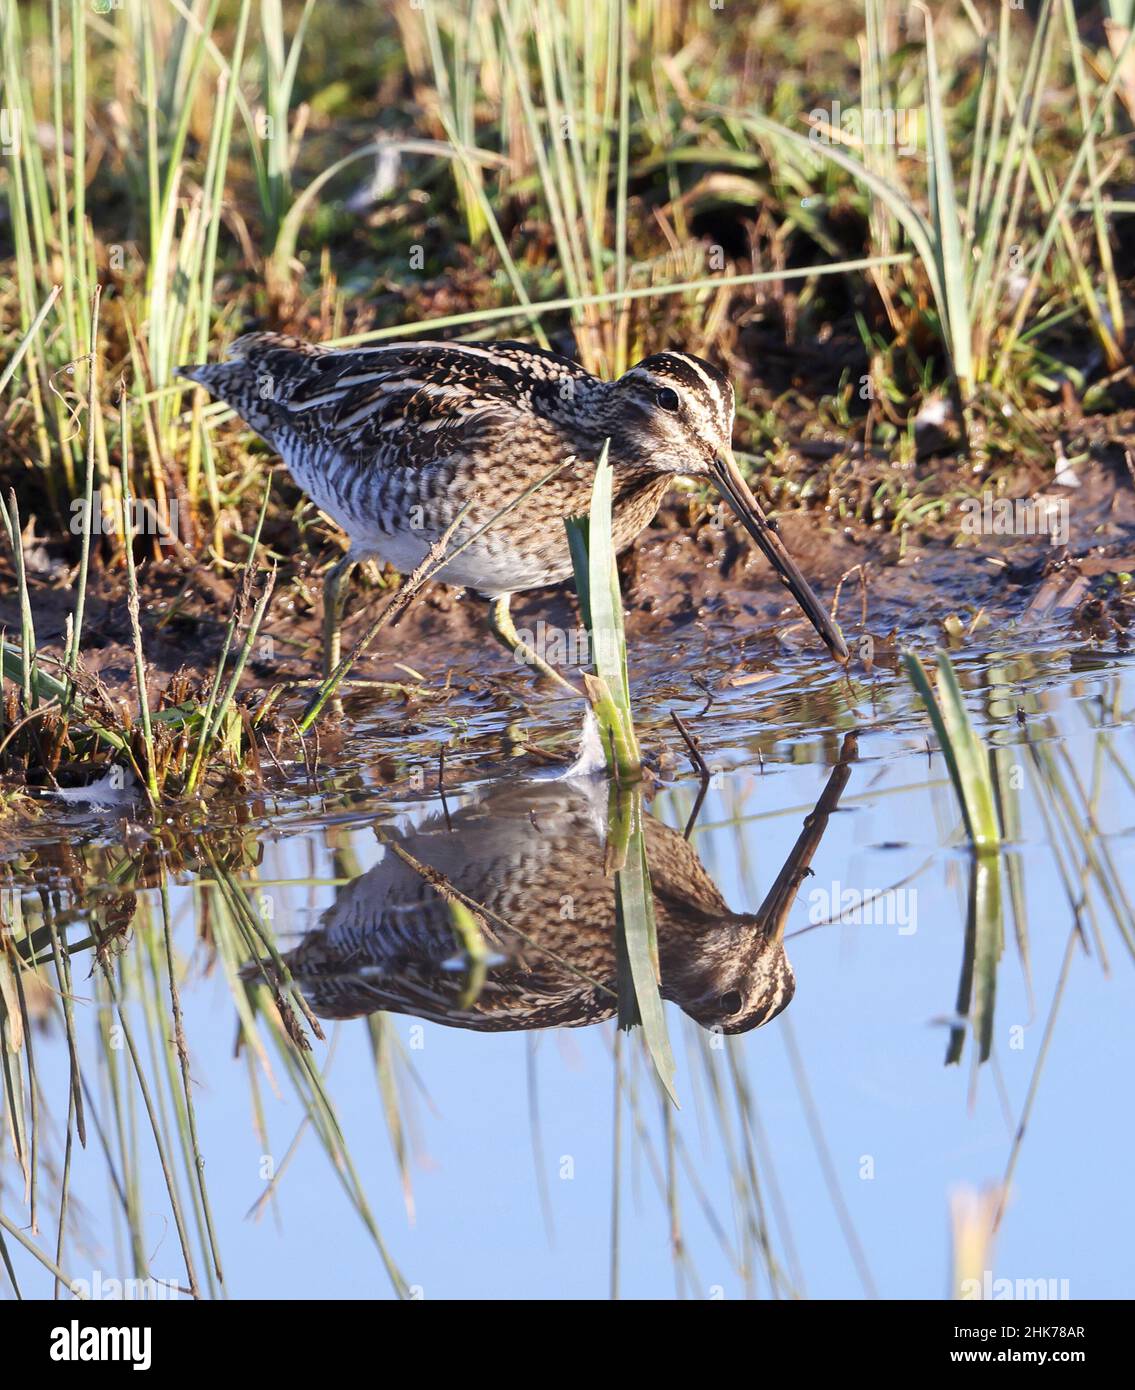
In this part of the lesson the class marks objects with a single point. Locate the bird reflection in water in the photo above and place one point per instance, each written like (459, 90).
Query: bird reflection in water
(531, 856)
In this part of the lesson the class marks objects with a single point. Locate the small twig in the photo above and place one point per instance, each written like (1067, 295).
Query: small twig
(844, 577)
(700, 766)
(710, 697)
(441, 785)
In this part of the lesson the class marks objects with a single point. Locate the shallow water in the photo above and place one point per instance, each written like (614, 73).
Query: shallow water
(820, 1154)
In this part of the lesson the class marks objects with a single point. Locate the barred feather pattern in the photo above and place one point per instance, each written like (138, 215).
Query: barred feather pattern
(391, 441)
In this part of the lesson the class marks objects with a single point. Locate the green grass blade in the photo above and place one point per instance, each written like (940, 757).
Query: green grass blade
(965, 755)
(953, 273)
(637, 939)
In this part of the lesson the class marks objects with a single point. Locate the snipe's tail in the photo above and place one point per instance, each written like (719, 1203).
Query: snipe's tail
(257, 377)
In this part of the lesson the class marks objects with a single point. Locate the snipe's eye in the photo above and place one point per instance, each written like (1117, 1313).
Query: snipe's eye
(668, 398)
(730, 1002)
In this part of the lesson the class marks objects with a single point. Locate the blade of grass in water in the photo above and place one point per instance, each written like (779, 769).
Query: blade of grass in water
(985, 935)
(254, 939)
(637, 940)
(146, 1091)
(13, 1030)
(989, 939)
(973, 1228)
(189, 1111)
(597, 585)
(965, 754)
(383, 1044)
(1008, 794)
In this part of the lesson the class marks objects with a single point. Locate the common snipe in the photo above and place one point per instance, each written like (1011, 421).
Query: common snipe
(531, 855)
(392, 441)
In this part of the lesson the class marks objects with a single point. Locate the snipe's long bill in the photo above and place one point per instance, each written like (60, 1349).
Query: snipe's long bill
(392, 441)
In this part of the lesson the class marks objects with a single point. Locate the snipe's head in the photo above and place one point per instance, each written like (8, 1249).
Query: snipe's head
(732, 979)
(673, 413)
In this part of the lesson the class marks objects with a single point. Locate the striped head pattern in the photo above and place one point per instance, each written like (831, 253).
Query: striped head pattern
(672, 412)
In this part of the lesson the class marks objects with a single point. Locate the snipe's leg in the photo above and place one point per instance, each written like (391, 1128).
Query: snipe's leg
(504, 630)
(334, 587)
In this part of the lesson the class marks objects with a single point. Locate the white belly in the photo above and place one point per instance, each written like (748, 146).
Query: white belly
(489, 566)
(475, 568)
